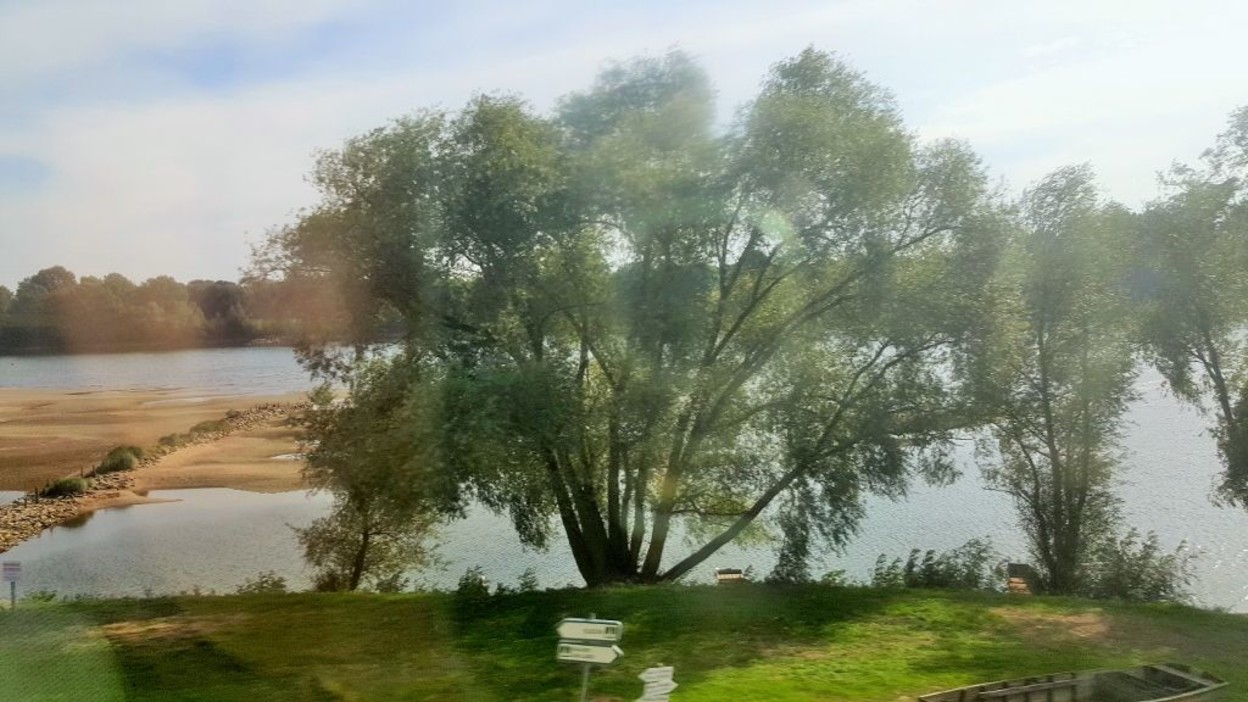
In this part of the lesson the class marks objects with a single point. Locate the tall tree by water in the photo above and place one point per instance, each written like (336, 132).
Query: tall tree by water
(620, 320)
(1061, 371)
(387, 498)
(1193, 255)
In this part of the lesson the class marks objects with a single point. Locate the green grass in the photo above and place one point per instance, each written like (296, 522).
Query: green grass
(64, 487)
(738, 643)
(119, 459)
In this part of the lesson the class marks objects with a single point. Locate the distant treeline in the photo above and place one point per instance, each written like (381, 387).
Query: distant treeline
(55, 311)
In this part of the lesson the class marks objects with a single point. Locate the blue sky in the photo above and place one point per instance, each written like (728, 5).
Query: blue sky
(154, 137)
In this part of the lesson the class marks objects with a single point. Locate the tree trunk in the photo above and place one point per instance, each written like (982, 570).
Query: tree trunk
(358, 563)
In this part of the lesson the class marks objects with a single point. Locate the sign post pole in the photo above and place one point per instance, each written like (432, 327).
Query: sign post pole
(589, 642)
(585, 672)
(11, 572)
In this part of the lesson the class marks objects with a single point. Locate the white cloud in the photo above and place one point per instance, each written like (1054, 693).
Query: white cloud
(48, 37)
(169, 179)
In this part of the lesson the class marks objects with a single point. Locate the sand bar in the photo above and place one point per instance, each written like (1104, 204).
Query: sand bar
(48, 434)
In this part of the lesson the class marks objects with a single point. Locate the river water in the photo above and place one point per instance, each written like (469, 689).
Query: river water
(214, 538)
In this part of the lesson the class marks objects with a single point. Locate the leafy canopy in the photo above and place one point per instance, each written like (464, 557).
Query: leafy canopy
(626, 325)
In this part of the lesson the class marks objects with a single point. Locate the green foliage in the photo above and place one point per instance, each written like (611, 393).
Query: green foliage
(120, 458)
(836, 578)
(1057, 369)
(361, 545)
(40, 596)
(265, 583)
(64, 487)
(1138, 570)
(974, 565)
(386, 502)
(210, 426)
(174, 440)
(1190, 254)
(528, 581)
(618, 320)
(749, 643)
(473, 586)
(54, 310)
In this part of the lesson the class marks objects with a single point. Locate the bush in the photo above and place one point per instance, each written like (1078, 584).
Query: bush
(40, 596)
(836, 578)
(1135, 569)
(265, 583)
(209, 426)
(64, 488)
(173, 440)
(472, 585)
(394, 582)
(974, 565)
(528, 581)
(119, 459)
(471, 598)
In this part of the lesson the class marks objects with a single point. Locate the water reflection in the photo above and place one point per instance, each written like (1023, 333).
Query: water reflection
(216, 538)
(75, 522)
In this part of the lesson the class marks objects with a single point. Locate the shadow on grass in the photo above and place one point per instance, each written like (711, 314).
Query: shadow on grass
(700, 629)
(1032, 636)
(160, 658)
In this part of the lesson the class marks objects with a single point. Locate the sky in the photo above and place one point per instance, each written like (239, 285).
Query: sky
(151, 137)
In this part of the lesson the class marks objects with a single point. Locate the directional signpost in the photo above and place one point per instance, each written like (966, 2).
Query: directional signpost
(659, 684)
(12, 571)
(589, 642)
(585, 653)
(590, 630)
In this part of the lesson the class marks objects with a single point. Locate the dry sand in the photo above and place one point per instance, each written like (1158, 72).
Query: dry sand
(47, 434)
(243, 460)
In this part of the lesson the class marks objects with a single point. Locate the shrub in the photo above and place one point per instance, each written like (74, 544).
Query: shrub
(173, 440)
(472, 585)
(209, 426)
(836, 578)
(40, 596)
(471, 598)
(119, 459)
(528, 581)
(974, 565)
(64, 487)
(394, 582)
(265, 583)
(329, 581)
(1137, 570)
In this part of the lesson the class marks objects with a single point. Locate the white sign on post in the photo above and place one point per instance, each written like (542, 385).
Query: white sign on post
(589, 642)
(587, 653)
(12, 571)
(591, 629)
(659, 684)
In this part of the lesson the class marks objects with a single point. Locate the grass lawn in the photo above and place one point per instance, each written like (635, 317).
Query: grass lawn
(727, 643)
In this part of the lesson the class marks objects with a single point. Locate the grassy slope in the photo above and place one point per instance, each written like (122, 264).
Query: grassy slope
(747, 643)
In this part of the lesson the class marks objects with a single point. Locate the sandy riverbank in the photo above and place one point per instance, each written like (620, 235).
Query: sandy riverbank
(47, 434)
(239, 452)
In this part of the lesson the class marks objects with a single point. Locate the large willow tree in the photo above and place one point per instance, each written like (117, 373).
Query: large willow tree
(1193, 257)
(622, 317)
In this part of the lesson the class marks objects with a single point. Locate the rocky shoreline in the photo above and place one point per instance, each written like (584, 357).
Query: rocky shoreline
(29, 515)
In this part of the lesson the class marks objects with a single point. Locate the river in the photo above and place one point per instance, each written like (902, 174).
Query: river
(214, 539)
